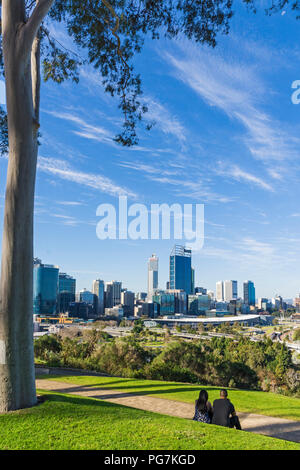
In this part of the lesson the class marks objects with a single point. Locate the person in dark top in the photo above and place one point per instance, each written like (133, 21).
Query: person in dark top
(224, 413)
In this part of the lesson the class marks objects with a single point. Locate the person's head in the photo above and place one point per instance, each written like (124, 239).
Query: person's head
(202, 400)
(223, 393)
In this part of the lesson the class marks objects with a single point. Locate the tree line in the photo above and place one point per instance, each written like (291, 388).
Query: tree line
(224, 362)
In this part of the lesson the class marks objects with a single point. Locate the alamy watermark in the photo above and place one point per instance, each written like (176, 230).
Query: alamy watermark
(160, 222)
(296, 94)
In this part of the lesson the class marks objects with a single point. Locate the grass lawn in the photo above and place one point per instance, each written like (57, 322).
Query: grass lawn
(269, 404)
(75, 423)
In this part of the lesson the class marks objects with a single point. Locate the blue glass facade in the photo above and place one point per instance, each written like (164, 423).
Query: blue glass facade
(249, 293)
(181, 269)
(45, 289)
(66, 292)
(166, 303)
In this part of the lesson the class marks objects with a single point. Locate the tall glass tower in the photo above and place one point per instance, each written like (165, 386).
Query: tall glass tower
(66, 291)
(152, 276)
(249, 293)
(45, 288)
(181, 269)
(98, 290)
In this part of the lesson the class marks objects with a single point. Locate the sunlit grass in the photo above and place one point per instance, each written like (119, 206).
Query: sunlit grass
(73, 423)
(269, 404)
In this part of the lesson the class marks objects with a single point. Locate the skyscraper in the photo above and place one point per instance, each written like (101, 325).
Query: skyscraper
(45, 288)
(66, 291)
(152, 276)
(219, 291)
(230, 290)
(113, 293)
(98, 291)
(193, 281)
(127, 301)
(86, 296)
(181, 269)
(249, 293)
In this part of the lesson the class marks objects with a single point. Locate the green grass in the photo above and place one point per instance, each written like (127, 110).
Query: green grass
(269, 404)
(75, 423)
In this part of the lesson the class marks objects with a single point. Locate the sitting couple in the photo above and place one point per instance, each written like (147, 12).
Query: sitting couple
(221, 413)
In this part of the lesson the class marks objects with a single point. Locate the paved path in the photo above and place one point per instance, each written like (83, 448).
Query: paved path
(267, 425)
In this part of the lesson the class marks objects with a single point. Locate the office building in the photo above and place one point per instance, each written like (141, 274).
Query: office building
(98, 291)
(219, 291)
(113, 294)
(152, 275)
(115, 311)
(249, 293)
(66, 292)
(81, 310)
(45, 288)
(193, 281)
(127, 301)
(200, 290)
(86, 296)
(230, 290)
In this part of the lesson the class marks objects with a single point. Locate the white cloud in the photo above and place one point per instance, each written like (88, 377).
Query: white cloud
(236, 173)
(86, 130)
(237, 90)
(165, 121)
(62, 170)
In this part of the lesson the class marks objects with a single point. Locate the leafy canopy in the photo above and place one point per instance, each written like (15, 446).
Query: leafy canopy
(111, 32)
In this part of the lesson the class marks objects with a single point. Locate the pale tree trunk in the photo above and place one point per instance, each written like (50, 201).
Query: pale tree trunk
(21, 63)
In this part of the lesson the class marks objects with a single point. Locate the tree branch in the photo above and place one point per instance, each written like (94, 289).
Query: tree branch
(33, 24)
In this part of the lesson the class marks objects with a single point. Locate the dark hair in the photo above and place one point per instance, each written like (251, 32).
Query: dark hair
(223, 392)
(202, 401)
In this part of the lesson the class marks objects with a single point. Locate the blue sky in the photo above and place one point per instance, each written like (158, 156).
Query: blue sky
(226, 136)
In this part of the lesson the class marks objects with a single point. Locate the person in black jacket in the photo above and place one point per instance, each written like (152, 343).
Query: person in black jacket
(224, 413)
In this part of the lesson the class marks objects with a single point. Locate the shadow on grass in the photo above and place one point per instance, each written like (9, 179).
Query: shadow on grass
(90, 408)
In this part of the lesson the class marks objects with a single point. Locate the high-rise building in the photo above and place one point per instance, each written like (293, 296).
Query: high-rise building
(230, 290)
(152, 276)
(210, 293)
(249, 293)
(263, 304)
(98, 291)
(200, 290)
(219, 291)
(181, 269)
(127, 301)
(66, 292)
(198, 304)
(193, 281)
(277, 302)
(113, 294)
(171, 302)
(45, 288)
(87, 296)
(141, 296)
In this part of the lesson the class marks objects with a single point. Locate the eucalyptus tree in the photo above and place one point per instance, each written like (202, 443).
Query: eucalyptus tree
(111, 33)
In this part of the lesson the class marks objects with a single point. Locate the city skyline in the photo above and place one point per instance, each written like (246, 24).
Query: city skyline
(236, 287)
(225, 136)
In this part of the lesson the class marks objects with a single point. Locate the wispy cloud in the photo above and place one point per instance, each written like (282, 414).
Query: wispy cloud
(70, 203)
(164, 119)
(182, 185)
(86, 130)
(237, 90)
(236, 173)
(63, 170)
